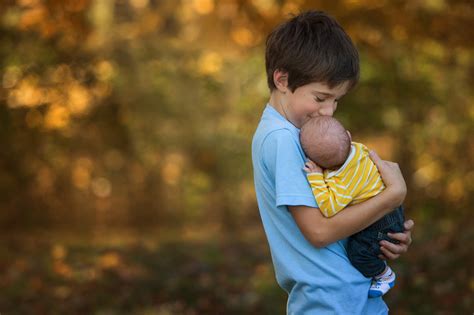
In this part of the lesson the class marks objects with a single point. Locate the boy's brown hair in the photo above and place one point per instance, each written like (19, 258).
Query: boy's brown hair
(311, 47)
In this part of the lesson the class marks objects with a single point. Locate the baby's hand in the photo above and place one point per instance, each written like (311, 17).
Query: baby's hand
(311, 167)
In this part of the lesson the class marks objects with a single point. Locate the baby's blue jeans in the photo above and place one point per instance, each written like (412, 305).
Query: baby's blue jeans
(363, 248)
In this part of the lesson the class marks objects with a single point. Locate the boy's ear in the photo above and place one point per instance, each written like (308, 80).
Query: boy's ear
(280, 79)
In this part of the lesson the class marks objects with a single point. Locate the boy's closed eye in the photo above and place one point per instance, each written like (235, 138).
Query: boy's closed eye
(322, 100)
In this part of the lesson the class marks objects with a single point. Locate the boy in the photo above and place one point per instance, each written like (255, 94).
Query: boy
(349, 177)
(311, 63)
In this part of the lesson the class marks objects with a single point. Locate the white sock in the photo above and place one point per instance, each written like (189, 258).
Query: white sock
(386, 274)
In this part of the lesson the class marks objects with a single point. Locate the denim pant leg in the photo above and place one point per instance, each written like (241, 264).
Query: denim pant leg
(363, 248)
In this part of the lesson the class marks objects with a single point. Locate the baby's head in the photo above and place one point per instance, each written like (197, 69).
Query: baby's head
(325, 141)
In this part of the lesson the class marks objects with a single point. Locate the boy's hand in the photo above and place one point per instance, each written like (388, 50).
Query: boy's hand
(311, 167)
(393, 251)
(392, 178)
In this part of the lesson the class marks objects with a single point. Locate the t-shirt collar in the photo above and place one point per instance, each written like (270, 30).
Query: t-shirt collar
(270, 110)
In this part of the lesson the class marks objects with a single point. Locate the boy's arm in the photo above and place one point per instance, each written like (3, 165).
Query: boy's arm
(329, 200)
(321, 231)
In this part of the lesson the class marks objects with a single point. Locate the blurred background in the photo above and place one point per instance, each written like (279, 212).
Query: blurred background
(125, 176)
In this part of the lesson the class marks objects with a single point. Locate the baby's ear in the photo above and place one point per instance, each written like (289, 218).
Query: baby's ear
(350, 137)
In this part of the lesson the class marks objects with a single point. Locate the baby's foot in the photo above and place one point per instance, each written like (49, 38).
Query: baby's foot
(381, 285)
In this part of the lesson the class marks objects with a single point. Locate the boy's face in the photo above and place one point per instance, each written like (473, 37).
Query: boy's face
(310, 100)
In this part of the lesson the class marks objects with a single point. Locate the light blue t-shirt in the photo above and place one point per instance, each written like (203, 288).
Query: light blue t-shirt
(318, 281)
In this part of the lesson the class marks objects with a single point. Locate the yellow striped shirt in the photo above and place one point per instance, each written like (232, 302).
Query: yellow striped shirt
(355, 181)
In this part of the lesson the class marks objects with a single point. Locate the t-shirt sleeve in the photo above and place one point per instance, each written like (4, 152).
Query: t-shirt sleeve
(284, 162)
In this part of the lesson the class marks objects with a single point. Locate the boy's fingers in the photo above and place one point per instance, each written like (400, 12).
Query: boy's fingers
(404, 237)
(388, 254)
(374, 156)
(377, 160)
(409, 224)
(401, 237)
(393, 248)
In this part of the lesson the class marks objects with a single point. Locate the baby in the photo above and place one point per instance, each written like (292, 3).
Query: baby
(349, 177)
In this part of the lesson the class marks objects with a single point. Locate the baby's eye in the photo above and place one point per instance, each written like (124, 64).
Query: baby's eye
(319, 99)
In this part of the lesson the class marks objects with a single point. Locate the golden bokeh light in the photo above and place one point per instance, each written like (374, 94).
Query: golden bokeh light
(57, 117)
(81, 173)
(243, 36)
(266, 7)
(210, 63)
(172, 168)
(101, 187)
(27, 93)
(28, 3)
(62, 269)
(32, 17)
(450, 133)
(384, 145)
(139, 4)
(58, 252)
(203, 6)
(456, 189)
(433, 5)
(428, 172)
(110, 260)
(104, 70)
(227, 10)
(81, 177)
(291, 7)
(11, 76)
(392, 117)
(79, 98)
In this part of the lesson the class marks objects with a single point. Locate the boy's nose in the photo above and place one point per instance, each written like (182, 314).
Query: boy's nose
(326, 112)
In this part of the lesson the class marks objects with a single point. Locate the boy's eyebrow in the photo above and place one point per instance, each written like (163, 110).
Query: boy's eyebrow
(324, 93)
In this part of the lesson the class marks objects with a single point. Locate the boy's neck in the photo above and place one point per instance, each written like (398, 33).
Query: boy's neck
(275, 101)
